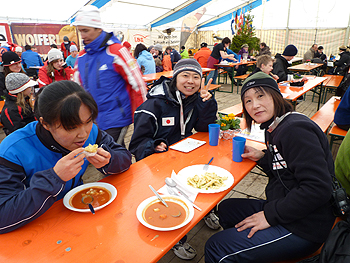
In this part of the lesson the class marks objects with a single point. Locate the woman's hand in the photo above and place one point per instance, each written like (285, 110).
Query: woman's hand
(256, 222)
(100, 159)
(204, 93)
(161, 147)
(252, 153)
(70, 165)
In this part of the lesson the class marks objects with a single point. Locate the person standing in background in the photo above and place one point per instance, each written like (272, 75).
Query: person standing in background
(109, 73)
(184, 52)
(144, 59)
(202, 55)
(219, 52)
(65, 47)
(72, 58)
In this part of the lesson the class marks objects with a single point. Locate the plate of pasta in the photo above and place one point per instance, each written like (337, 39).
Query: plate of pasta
(213, 180)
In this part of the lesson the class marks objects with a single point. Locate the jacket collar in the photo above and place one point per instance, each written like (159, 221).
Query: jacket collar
(48, 141)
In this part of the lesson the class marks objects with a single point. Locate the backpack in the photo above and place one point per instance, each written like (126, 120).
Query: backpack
(343, 86)
(336, 249)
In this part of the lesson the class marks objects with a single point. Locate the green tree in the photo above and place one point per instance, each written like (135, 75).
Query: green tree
(245, 35)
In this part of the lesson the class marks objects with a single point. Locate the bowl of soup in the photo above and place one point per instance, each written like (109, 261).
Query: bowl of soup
(99, 194)
(155, 215)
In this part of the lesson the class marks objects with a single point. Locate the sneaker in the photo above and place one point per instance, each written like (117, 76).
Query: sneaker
(212, 220)
(184, 251)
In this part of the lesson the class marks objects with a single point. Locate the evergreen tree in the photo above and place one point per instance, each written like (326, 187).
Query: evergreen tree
(245, 35)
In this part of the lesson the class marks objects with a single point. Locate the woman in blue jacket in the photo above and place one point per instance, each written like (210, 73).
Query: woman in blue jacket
(41, 162)
(144, 59)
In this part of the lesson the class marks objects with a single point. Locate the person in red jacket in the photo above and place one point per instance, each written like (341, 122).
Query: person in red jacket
(65, 47)
(55, 70)
(202, 55)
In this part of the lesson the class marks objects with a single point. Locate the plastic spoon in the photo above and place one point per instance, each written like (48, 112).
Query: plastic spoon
(87, 200)
(171, 183)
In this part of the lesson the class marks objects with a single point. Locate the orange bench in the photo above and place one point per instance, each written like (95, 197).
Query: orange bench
(336, 134)
(2, 103)
(325, 115)
(240, 80)
(237, 110)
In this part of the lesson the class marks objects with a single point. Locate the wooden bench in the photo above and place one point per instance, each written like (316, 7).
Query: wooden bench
(240, 80)
(336, 134)
(237, 110)
(222, 72)
(325, 115)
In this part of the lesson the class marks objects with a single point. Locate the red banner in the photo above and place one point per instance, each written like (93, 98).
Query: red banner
(5, 35)
(42, 35)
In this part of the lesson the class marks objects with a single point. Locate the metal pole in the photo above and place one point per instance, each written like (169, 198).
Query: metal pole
(318, 9)
(347, 33)
(287, 29)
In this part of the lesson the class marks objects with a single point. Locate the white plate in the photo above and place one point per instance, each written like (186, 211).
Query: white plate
(72, 192)
(153, 199)
(192, 170)
(187, 145)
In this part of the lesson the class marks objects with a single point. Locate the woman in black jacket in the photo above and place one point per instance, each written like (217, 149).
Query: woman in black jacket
(296, 217)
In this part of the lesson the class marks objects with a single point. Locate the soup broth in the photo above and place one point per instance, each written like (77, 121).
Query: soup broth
(100, 195)
(159, 215)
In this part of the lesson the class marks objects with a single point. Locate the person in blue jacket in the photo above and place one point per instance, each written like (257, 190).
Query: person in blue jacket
(144, 59)
(41, 162)
(342, 113)
(157, 121)
(31, 58)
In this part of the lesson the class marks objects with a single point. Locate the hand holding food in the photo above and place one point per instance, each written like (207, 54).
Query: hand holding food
(90, 150)
(100, 158)
(70, 165)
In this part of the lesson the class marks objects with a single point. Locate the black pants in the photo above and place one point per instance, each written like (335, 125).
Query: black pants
(118, 134)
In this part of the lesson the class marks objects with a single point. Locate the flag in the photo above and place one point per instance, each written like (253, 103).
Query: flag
(232, 25)
(236, 22)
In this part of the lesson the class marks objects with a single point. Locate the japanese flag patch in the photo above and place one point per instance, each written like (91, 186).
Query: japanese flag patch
(168, 121)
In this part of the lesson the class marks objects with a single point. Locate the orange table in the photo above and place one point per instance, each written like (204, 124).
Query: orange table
(332, 82)
(305, 67)
(114, 234)
(233, 64)
(169, 74)
(292, 93)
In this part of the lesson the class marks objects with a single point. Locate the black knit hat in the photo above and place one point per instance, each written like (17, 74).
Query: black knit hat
(260, 79)
(204, 44)
(188, 64)
(290, 51)
(10, 58)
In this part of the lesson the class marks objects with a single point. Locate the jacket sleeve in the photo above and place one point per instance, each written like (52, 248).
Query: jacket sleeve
(20, 205)
(143, 140)
(279, 71)
(127, 67)
(120, 157)
(44, 79)
(206, 114)
(12, 119)
(41, 63)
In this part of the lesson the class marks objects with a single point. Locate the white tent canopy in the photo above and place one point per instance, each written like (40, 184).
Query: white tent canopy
(131, 14)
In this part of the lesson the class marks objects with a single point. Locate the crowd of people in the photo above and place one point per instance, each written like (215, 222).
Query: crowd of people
(93, 96)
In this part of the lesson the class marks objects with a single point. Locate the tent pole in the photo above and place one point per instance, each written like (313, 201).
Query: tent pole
(318, 10)
(287, 29)
(347, 33)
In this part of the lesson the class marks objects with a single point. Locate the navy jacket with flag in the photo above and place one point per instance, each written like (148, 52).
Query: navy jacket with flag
(158, 118)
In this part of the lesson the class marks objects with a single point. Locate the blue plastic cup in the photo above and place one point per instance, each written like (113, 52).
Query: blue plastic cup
(214, 132)
(239, 58)
(238, 144)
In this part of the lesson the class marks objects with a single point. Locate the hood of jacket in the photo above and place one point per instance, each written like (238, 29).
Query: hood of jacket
(101, 42)
(146, 55)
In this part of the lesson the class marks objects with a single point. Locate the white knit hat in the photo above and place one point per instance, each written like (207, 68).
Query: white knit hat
(88, 16)
(17, 82)
(53, 54)
(18, 49)
(73, 48)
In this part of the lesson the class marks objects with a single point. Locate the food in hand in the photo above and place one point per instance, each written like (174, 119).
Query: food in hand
(91, 148)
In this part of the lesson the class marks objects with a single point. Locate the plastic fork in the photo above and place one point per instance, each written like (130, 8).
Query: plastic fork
(206, 166)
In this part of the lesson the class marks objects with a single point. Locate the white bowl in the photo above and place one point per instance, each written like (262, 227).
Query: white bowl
(153, 199)
(72, 192)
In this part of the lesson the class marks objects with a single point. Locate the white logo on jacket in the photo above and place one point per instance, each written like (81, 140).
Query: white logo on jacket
(278, 162)
(168, 121)
(103, 67)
